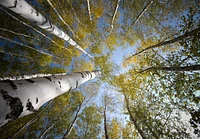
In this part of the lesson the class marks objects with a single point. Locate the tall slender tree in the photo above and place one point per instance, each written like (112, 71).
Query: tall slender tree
(28, 12)
(22, 97)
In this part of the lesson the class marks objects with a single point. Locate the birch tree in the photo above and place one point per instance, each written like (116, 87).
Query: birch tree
(22, 97)
(31, 14)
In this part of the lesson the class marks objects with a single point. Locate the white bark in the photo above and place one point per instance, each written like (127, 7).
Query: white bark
(22, 97)
(88, 5)
(31, 27)
(27, 11)
(114, 15)
(31, 120)
(60, 17)
(24, 77)
(39, 51)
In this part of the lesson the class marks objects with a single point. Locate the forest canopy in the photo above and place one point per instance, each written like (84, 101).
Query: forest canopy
(148, 54)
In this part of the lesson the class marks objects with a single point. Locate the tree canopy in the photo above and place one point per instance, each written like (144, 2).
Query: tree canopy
(148, 52)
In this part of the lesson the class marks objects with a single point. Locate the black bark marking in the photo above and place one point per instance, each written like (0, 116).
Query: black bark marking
(48, 78)
(46, 20)
(50, 26)
(20, 84)
(15, 5)
(36, 100)
(34, 11)
(59, 83)
(70, 89)
(29, 106)
(52, 29)
(82, 75)
(11, 83)
(15, 104)
(54, 76)
(87, 73)
(30, 81)
(90, 75)
(76, 83)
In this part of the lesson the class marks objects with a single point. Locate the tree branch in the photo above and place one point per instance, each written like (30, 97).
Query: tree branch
(185, 68)
(187, 34)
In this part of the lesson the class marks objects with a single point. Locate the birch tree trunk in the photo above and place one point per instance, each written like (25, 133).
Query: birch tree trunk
(22, 97)
(114, 15)
(29, 26)
(27, 11)
(60, 17)
(23, 77)
(88, 5)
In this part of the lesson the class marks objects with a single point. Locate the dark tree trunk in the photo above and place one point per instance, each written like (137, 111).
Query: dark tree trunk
(185, 68)
(187, 34)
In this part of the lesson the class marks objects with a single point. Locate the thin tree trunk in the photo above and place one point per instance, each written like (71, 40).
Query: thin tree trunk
(53, 124)
(71, 125)
(31, 120)
(14, 54)
(60, 17)
(187, 34)
(137, 126)
(20, 34)
(114, 15)
(150, 129)
(32, 28)
(105, 123)
(27, 11)
(88, 5)
(185, 68)
(29, 47)
(140, 15)
(85, 134)
(24, 77)
(22, 97)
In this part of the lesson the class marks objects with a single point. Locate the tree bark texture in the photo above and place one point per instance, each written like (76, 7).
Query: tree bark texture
(27, 11)
(22, 97)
